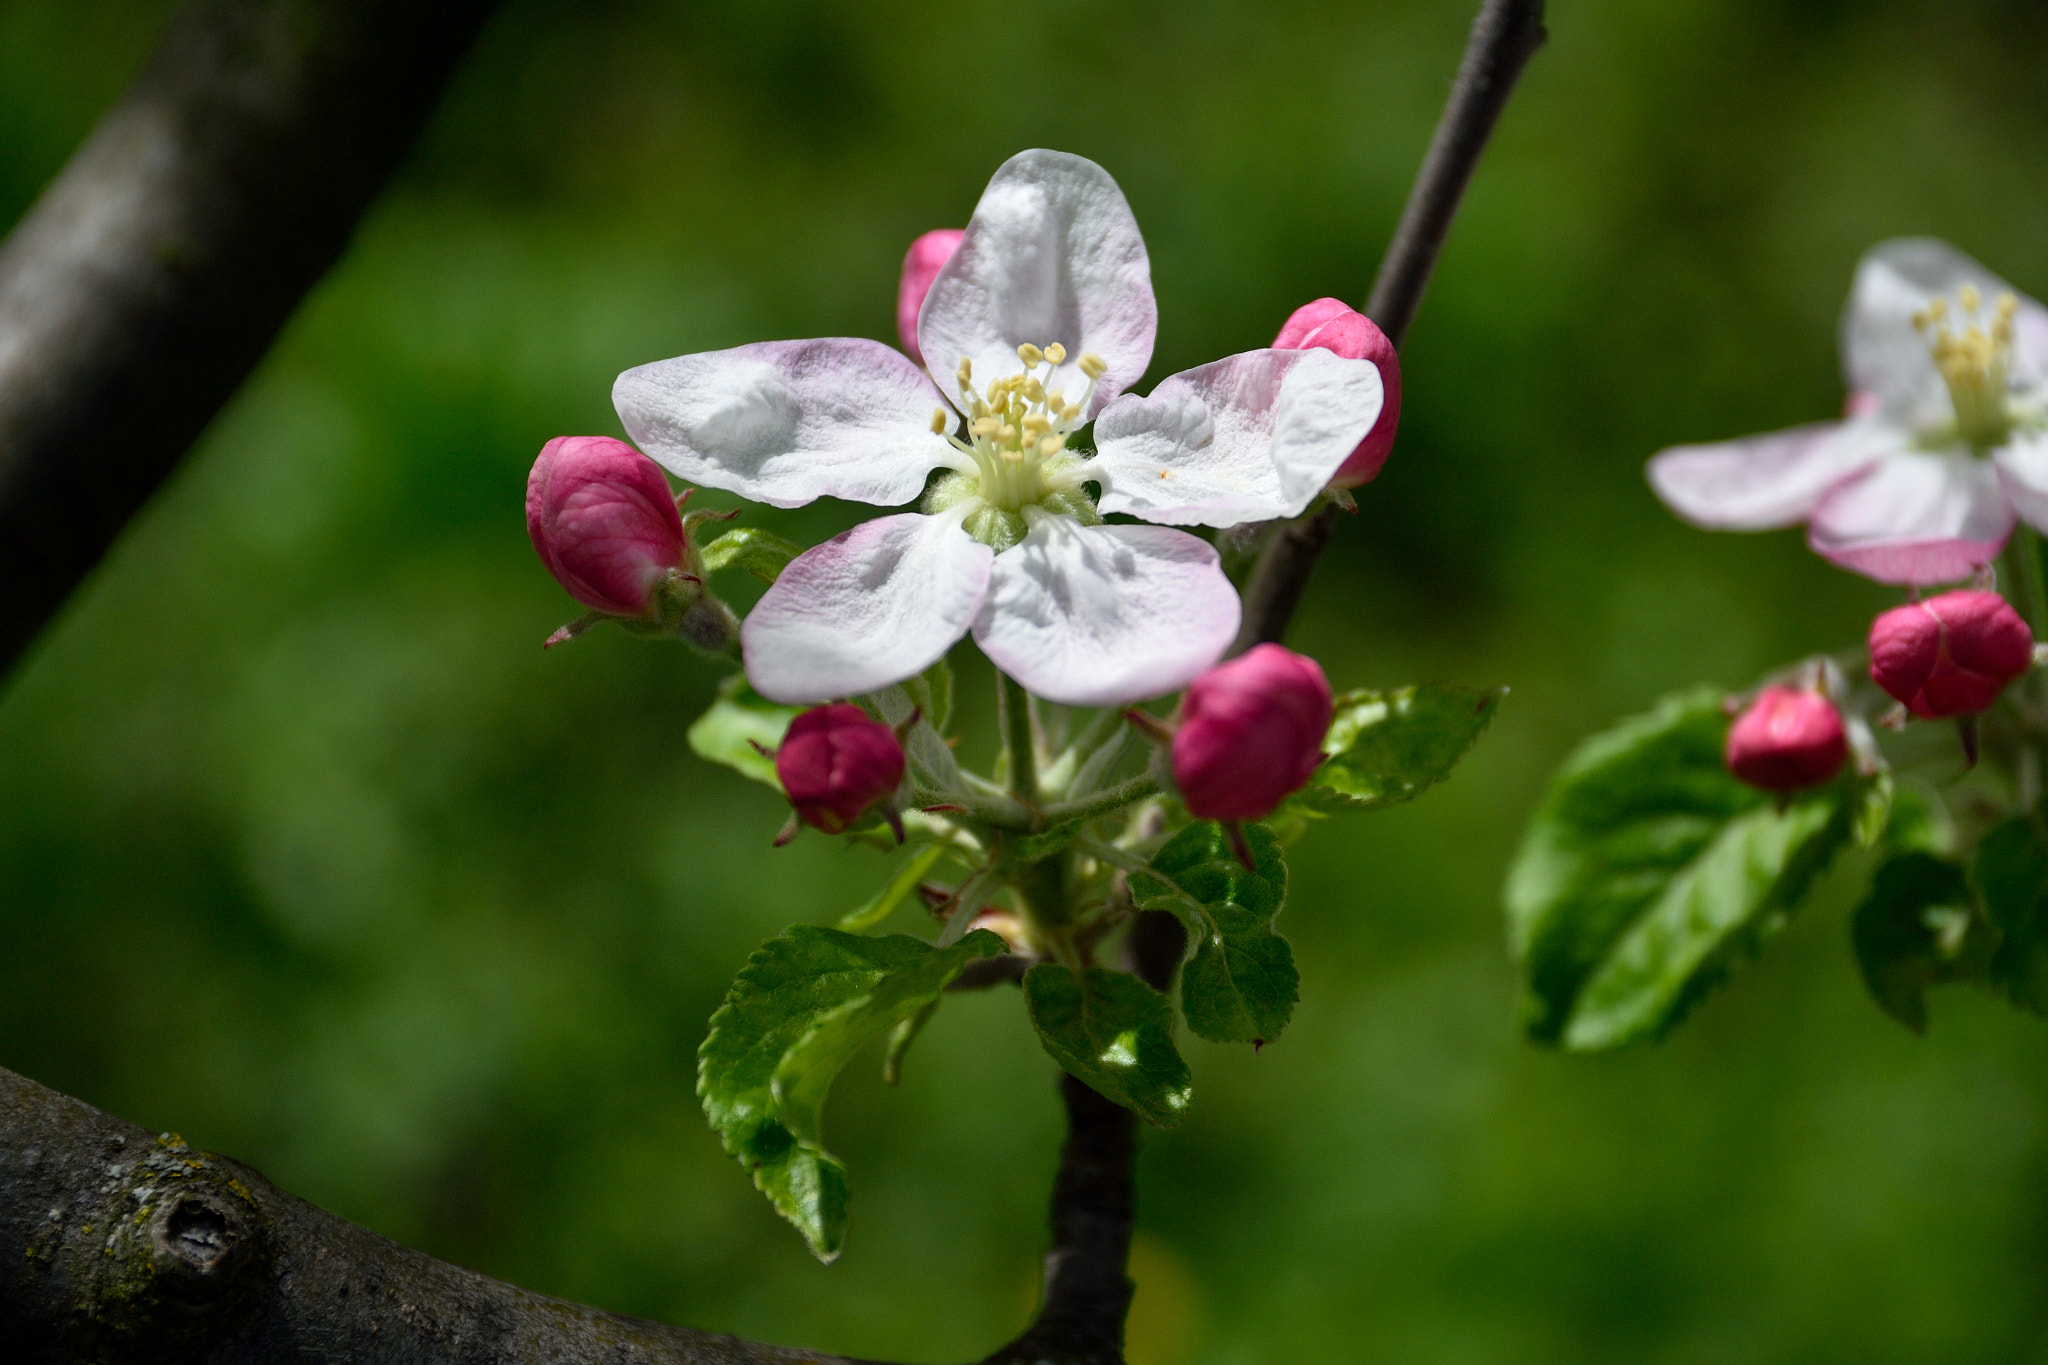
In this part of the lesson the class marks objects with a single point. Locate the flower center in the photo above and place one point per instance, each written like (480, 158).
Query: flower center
(1015, 456)
(1973, 356)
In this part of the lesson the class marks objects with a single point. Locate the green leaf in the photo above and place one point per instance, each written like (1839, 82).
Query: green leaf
(1115, 1033)
(1387, 747)
(900, 1039)
(801, 1007)
(1873, 814)
(1917, 928)
(2011, 875)
(1241, 984)
(736, 722)
(889, 897)
(761, 553)
(1649, 872)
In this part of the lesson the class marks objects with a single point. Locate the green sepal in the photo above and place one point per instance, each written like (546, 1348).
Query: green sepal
(900, 1039)
(1384, 748)
(802, 1006)
(761, 553)
(1875, 799)
(2011, 876)
(1649, 872)
(883, 902)
(1241, 984)
(1113, 1032)
(1917, 928)
(739, 720)
(932, 692)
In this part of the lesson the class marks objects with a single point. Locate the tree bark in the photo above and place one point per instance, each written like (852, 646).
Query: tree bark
(120, 1245)
(154, 272)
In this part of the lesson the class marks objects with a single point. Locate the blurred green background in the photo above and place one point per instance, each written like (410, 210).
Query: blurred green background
(308, 852)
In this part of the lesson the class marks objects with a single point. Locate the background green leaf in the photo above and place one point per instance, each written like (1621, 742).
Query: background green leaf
(2011, 874)
(802, 1006)
(1649, 871)
(1387, 747)
(1114, 1032)
(740, 719)
(1918, 927)
(1241, 984)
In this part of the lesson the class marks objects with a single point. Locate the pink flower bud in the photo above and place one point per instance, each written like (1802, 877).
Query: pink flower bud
(1950, 655)
(1251, 731)
(604, 522)
(921, 265)
(1336, 326)
(1788, 738)
(836, 762)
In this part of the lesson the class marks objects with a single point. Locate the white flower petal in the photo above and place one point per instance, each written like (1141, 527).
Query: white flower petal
(874, 606)
(1102, 615)
(1915, 519)
(1885, 354)
(1250, 437)
(783, 422)
(1777, 479)
(2023, 471)
(1052, 254)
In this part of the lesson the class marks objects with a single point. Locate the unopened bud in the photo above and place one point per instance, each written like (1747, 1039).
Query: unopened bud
(1788, 738)
(1335, 326)
(921, 265)
(1950, 655)
(836, 763)
(1251, 731)
(604, 522)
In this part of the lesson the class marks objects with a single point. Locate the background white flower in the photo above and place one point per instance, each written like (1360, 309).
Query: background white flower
(1038, 322)
(1946, 437)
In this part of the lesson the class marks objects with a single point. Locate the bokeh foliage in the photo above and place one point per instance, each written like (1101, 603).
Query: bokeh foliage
(310, 854)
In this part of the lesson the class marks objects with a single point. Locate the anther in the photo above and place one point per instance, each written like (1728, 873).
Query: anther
(1034, 391)
(1036, 424)
(1056, 353)
(987, 426)
(938, 421)
(1969, 297)
(1093, 365)
(1051, 445)
(1030, 354)
(966, 370)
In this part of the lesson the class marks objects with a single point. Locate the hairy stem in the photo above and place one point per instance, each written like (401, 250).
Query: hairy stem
(1013, 711)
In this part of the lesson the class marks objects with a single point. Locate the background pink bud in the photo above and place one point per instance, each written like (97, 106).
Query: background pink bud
(1251, 731)
(1950, 655)
(1335, 326)
(604, 522)
(1788, 738)
(836, 762)
(921, 265)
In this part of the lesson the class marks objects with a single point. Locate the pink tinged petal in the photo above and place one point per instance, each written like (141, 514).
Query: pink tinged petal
(1333, 325)
(1914, 519)
(784, 422)
(879, 604)
(1250, 437)
(1763, 482)
(921, 265)
(603, 521)
(1886, 355)
(1052, 254)
(1102, 615)
(2023, 472)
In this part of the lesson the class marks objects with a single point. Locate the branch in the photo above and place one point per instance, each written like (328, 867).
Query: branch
(154, 272)
(1505, 35)
(117, 1244)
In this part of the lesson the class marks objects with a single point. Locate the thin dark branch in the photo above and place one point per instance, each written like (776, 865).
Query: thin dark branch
(120, 1245)
(154, 272)
(1505, 35)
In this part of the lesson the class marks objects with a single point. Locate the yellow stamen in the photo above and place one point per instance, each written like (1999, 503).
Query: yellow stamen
(938, 421)
(1056, 353)
(1030, 354)
(1093, 365)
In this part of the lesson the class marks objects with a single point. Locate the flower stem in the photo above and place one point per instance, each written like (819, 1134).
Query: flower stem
(1104, 802)
(1015, 716)
(2023, 578)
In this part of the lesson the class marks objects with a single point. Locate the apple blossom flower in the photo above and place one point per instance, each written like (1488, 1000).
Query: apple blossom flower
(1033, 328)
(604, 523)
(1334, 325)
(836, 762)
(1788, 738)
(1945, 441)
(921, 265)
(1251, 732)
(1949, 655)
